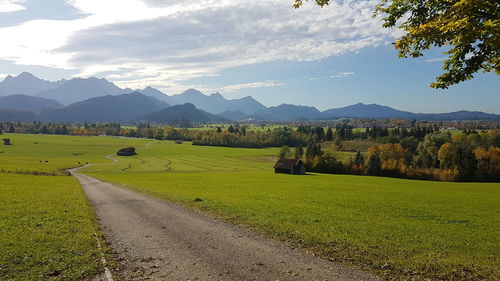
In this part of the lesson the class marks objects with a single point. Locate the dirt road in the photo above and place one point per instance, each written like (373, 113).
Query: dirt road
(158, 240)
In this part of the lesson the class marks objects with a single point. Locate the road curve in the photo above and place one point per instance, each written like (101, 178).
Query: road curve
(158, 240)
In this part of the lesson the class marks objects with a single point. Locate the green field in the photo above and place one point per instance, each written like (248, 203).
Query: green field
(248, 127)
(402, 228)
(46, 229)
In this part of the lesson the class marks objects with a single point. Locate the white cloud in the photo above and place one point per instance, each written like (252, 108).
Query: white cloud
(342, 74)
(8, 6)
(236, 87)
(435, 60)
(163, 42)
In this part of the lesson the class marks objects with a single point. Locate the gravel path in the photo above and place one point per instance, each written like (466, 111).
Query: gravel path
(158, 240)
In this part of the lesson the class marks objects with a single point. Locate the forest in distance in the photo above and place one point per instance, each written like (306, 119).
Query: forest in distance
(404, 149)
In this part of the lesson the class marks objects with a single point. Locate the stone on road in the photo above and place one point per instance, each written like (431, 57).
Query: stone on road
(154, 239)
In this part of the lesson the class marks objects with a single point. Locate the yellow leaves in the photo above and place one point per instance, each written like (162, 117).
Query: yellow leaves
(445, 155)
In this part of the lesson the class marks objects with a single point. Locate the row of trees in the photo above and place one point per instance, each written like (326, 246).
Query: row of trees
(254, 139)
(416, 152)
(443, 157)
(439, 156)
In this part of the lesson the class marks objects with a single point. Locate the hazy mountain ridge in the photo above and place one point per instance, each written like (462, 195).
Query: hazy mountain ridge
(457, 115)
(375, 111)
(127, 107)
(214, 103)
(78, 94)
(234, 115)
(27, 103)
(79, 89)
(26, 84)
(15, 115)
(361, 110)
(181, 112)
(289, 112)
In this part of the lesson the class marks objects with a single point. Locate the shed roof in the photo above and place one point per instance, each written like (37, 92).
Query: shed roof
(285, 163)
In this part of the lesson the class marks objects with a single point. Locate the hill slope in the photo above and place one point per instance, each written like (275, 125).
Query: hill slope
(109, 108)
(27, 103)
(21, 116)
(152, 92)
(458, 115)
(235, 115)
(376, 111)
(288, 112)
(215, 103)
(361, 110)
(79, 89)
(181, 112)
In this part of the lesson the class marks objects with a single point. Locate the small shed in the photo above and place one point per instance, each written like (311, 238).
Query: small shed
(289, 166)
(128, 151)
(6, 142)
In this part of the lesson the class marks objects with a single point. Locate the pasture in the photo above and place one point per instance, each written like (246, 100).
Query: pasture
(46, 229)
(399, 228)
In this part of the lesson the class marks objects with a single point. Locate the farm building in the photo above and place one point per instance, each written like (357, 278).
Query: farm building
(289, 166)
(128, 151)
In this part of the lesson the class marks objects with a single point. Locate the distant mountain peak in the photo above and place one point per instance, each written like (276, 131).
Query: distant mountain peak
(176, 113)
(107, 108)
(188, 105)
(247, 98)
(78, 89)
(217, 94)
(192, 91)
(25, 84)
(23, 76)
(289, 105)
(215, 103)
(26, 75)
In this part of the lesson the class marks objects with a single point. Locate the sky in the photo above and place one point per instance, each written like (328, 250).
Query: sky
(324, 57)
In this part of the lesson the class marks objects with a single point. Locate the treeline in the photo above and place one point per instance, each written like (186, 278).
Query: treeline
(303, 135)
(439, 156)
(240, 137)
(416, 152)
(394, 123)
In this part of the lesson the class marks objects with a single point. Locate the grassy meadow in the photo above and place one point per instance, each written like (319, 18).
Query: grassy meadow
(46, 229)
(399, 228)
(46, 224)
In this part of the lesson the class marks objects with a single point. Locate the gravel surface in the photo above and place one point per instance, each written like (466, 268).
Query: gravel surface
(153, 239)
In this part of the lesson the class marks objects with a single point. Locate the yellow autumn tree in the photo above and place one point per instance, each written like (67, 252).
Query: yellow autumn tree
(392, 155)
(488, 165)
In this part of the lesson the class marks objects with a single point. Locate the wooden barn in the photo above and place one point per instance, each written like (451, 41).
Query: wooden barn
(128, 151)
(289, 166)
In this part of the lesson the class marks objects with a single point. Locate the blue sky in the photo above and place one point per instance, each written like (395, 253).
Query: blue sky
(330, 57)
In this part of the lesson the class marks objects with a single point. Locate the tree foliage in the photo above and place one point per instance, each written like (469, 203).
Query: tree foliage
(469, 28)
(285, 152)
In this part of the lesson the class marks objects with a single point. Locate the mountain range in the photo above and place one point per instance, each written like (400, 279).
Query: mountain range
(27, 103)
(26, 97)
(78, 89)
(126, 107)
(26, 84)
(215, 103)
(181, 112)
